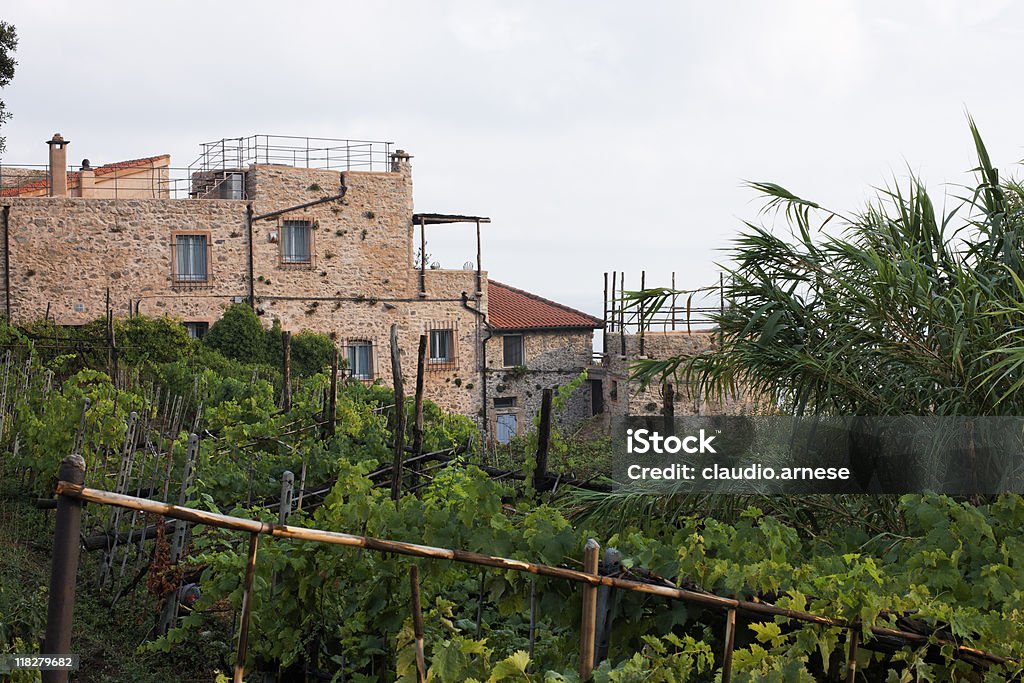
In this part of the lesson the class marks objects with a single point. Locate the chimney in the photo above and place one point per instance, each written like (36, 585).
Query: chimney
(58, 165)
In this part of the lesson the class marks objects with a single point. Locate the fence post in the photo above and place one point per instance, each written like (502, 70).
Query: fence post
(286, 371)
(417, 623)
(668, 397)
(243, 629)
(540, 472)
(588, 625)
(605, 606)
(284, 508)
(68, 529)
(851, 661)
(396, 376)
(417, 425)
(332, 399)
(730, 639)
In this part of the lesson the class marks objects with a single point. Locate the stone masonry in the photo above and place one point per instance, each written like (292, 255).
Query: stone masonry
(626, 397)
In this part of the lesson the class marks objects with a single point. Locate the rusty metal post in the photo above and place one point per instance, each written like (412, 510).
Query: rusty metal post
(604, 318)
(243, 629)
(642, 313)
(588, 624)
(730, 640)
(65, 567)
(417, 624)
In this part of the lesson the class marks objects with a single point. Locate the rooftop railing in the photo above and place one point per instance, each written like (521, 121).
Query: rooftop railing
(321, 153)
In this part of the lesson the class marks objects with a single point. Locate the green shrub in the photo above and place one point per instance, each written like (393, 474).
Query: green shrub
(238, 335)
(152, 340)
(311, 353)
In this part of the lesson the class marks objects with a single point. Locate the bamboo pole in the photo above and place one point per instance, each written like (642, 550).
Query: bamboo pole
(417, 623)
(65, 488)
(588, 622)
(243, 629)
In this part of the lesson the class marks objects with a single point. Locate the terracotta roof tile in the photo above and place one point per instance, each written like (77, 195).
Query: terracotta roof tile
(130, 163)
(509, 308)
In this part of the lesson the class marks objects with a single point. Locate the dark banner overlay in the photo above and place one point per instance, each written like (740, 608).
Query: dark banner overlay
(770, 454)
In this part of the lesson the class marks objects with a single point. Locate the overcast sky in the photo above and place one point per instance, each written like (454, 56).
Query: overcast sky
(598, 136)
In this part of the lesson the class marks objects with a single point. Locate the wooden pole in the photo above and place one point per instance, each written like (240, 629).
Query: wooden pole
(851, 661)
(285, 501)
(302, 485)
(417, 426)
(588, 624)
(72, 490)
(396, 377)
(286, 371)
(243, 629)
(730, 639)
(417, 624)
(540, 472)
(332, 398)
(67, 529)
(668, 397)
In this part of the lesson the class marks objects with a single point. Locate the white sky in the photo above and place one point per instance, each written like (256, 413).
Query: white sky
(598, 136)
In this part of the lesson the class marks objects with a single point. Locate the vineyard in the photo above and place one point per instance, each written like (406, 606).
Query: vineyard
(911, 589)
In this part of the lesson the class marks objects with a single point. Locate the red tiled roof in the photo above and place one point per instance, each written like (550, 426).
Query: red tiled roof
(74, 176)
(130, 163)
(509, 308)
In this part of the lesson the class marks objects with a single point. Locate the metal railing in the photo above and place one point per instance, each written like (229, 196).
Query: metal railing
(304, 152)
(204, 177)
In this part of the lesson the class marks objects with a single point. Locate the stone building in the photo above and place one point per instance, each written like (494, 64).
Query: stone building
(535, 343)
(317, 233)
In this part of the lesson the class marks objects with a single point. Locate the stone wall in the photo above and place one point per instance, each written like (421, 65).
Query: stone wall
(551, 359)
(624, 396)
(67, 252)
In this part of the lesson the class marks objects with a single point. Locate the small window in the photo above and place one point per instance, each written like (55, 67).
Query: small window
(360, 360)
(196, 330)
(506, 427)
(512, 346)
(505, 402)
(441, 346)
(191, 258)
(297, 242)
